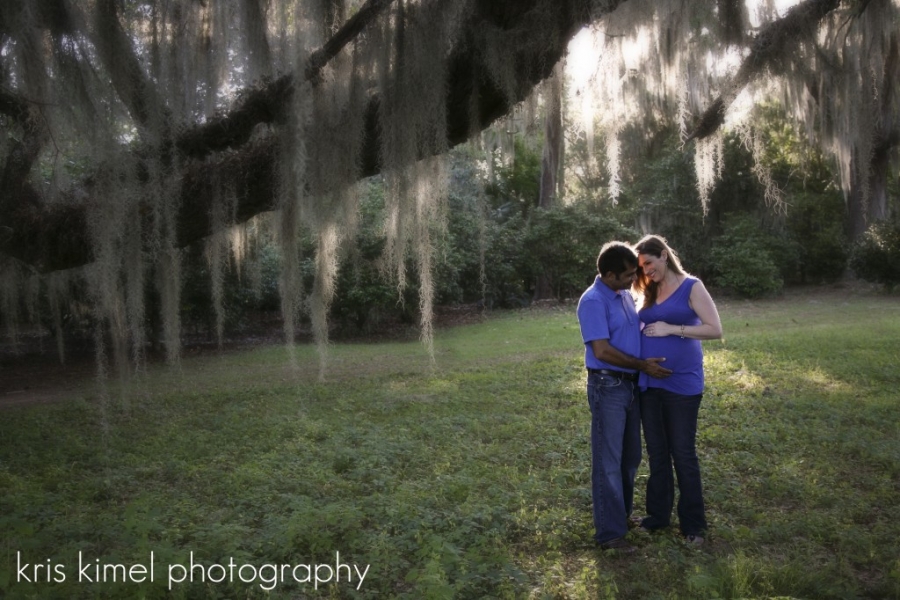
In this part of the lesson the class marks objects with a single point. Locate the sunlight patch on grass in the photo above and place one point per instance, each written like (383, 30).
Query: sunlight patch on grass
(746, 380)
(823, 381)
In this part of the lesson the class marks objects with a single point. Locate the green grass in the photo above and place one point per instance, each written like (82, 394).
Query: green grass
(467, 478)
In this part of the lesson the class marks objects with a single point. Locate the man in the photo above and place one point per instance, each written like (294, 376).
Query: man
(612, 339)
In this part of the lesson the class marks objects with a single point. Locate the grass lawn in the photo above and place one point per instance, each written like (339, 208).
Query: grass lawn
(242, 476)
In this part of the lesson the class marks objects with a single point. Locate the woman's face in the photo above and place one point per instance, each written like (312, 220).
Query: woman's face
(654, 267)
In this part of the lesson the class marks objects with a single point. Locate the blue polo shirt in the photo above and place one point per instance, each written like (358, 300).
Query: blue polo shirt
(604, 314)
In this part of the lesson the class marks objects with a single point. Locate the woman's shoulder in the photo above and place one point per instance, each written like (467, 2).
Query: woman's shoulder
(698, 291)
(688, 283)
(694, 282)
(689, 288)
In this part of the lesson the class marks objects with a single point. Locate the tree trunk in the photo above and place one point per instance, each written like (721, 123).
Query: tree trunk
(553, 141)
(551, 164)
(864, 211)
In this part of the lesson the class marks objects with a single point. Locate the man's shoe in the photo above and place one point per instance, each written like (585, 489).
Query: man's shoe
(619, 545)
(694, 540)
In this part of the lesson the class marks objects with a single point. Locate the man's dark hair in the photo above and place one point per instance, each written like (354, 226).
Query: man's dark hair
(617, 257)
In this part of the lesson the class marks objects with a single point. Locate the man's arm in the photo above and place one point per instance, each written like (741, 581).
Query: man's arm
(608, 353)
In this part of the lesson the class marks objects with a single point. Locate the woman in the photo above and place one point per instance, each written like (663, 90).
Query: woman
(677, 313)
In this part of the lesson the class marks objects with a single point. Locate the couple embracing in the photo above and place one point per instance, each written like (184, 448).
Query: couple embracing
(642, 322)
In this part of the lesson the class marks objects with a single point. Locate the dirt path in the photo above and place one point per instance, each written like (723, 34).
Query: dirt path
(38, 378)
(31, 373)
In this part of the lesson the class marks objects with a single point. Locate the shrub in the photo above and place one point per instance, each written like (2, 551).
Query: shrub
(876, 256)
(247, 292)
(744, 261)
(505, 266)
(816, 219)
(750, 271)
(562, 243)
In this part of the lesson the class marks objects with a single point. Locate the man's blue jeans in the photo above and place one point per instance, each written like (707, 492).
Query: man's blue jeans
(670, 431)
(615, 452)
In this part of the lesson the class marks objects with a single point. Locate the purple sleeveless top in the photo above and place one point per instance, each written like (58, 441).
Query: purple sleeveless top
(683, 356)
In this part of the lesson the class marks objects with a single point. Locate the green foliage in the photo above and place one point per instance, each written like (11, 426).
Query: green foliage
(492, 251)
(745, 259)
(815, 205)
(876, 256)
(243, 299)
(560, 243)
(662, 195)
(498, 245)
(516, 187)
(505, 270)
(806, 241)
(364, 296)
(661, 192)
(563, 242)
(816, 221)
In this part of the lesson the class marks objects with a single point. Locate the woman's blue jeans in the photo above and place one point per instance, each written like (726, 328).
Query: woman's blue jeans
(670, 432)
(615, 452)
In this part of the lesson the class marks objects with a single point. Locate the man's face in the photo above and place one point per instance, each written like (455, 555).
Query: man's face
(625, 279)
